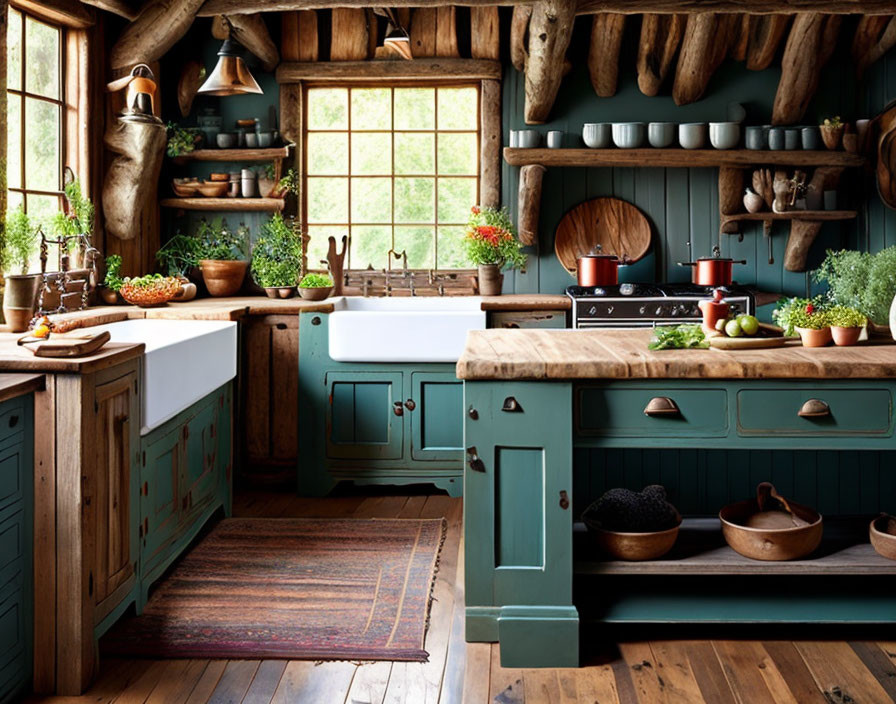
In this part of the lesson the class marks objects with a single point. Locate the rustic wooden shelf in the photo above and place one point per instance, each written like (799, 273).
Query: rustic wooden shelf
(683, 158)
(817, 215)
(255, 205)
(235, 154)
(701, 550)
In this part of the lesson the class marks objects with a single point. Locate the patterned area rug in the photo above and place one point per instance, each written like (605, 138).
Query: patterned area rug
(296, 588)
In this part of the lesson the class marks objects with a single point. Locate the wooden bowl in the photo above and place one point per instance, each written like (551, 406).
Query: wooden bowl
(883, 540)
(217, 177)
(773, 544)
(213, 189)
(184, 188)
(315, 294)
(634, 547)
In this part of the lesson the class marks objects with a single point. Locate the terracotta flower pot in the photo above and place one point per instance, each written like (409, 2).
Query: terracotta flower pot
(315, 294)
(814, 338)
(223, 278)
(491, 280)
(280, 291)
(18, 300)
(831, 135)
(844, 337)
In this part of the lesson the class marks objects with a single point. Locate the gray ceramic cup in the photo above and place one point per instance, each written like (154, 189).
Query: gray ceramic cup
(225, 140)
(811, 139)
(529, 139)
(755, 138)
(596, 135)
(692, 135)
(776, 138)
(555, 139)
(791, 139)
(628, 135)
(514, 139)
(724, 135)
(661, 134)
(265, 139)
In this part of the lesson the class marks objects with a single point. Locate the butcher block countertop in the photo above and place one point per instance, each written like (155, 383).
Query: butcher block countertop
(12, 385)
(14, 358)
(623, 354)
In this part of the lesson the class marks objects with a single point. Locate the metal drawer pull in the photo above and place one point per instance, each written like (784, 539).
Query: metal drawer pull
(661, 406)
(564, 500)
(814, 408)
(474, 460)
(397, 408)
(511, 405)
(410, 404)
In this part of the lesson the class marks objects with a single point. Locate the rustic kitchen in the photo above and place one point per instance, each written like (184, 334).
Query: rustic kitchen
(506, 352)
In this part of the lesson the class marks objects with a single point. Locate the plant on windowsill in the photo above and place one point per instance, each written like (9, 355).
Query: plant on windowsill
(315, 287)
(179, 256)
(807, 318)
(222, 256)
(846, 324)
(20, 290)
(277, 258)
(491, 244)
(76, 223)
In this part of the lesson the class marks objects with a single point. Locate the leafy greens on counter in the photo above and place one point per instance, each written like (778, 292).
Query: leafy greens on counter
(678, 337)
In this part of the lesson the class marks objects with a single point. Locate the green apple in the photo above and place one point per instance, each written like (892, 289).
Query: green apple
(749, 324)
(720, 324)
(733, 329)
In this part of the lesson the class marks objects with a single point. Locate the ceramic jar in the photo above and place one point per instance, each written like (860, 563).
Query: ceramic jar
(814, 338)
(755, 138)
(753, 202)
(248, 183)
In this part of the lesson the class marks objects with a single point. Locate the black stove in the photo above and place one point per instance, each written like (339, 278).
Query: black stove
(647, 305)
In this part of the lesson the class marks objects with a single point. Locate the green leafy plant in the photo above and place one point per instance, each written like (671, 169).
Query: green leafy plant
(145, 281)
(21, 237)
(289, 182)
(113, 278)
(180, 140)
(678, 337)
(217, 241)
(268, 171)
(180, 254)
(833, 122)
(491, 239)
(277, 256)
(801, 313)
(860, 280)
(316, 281)
(79, 218)
(845, 317)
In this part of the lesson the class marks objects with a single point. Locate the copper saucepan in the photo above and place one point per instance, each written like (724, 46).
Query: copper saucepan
(714, 270)
(597, 270)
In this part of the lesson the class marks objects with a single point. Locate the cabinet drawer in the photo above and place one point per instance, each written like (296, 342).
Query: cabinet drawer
(621, 412)
(776, 412)
(528, 319)
(12, 418)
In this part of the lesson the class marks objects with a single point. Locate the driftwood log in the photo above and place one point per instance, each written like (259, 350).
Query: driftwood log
(603, 54)
(529, 203)
(490, 145)
(766, 33)
(731, 193)
(705, 45)
(187, 85)
(550, 30)
(485, 33)
(160, 24)
(298, 37)
(519, 30)
(252, 32)
(874, 37)
(660, 38)
(132, 177)
(809, 45)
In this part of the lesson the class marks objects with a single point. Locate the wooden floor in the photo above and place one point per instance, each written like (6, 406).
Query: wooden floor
(636, 672)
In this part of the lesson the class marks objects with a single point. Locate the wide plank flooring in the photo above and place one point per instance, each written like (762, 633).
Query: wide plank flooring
(631, 672)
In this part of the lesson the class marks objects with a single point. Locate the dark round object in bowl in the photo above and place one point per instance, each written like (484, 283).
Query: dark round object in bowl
(627, 511)
(280, 291)
(315, 294)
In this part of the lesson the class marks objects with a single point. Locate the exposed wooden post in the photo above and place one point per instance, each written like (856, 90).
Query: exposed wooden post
(299, 36)
(4, 126)
(731, 190)
(603, 54)
(660, 37)
(446, 32)
(157, 28)
(252, 32)
(519, 29)
(810, 43)
(485, 33)
(766, 33)
(348, 35)
(423, 32)
(704, 47)
(550, 30)
(490, 145)
(529, 204)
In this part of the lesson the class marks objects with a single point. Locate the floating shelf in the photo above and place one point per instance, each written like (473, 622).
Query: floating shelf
(254, 205)
(814, 215)
(701, 550)
(235, 154)
(684, 158)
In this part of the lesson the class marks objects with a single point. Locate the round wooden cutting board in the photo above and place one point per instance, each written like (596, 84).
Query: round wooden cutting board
(618, 227)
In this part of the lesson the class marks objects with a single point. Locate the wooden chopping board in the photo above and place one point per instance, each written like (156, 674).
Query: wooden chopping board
(617, 226)
(71, 345)
(769, 336)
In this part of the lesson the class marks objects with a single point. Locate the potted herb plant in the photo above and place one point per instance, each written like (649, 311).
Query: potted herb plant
(846, 324)
(315, 287)
(222, 256)
(491, 245)
(181, 140)
(861, 280)
(178, 257)
(277, 258)
(805, 317)
(832, 132)
(21, 287)
(112, 282)
(288, 184)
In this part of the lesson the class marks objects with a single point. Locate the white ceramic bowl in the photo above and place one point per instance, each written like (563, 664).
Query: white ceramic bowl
(596, 135)
(661, 134)
(692, 135)
(628, 135)
(724, 135)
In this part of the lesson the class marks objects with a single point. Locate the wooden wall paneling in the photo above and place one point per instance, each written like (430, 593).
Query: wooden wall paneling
(299, 41)
(284, 388)
(423, 32)
(519, 40)
(490, 144)
(550, 31)
(485, 33)
(607, 30)
(446, 32)
(348, 34)
(289, 36)
(257, 401)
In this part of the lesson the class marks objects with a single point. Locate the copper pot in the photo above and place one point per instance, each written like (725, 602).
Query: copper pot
(712, 271)
(597, 270)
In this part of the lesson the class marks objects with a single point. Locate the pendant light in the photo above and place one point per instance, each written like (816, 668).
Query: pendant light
(231, 76)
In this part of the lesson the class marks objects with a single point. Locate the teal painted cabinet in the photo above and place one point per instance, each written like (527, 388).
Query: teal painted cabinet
(375, 423)
(185, 473)
(16, 549)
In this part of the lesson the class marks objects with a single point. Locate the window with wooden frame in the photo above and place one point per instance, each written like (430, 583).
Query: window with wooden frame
(394, 166)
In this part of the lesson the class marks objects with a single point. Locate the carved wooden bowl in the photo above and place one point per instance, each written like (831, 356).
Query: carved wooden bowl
(883, 536)
(634, 547)
(775, 541)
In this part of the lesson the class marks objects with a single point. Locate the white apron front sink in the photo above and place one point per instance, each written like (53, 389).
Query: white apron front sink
(405, 329)
(185, 360)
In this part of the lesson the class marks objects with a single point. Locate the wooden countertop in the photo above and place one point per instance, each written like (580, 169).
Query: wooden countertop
(623, 354)
(12, 385)
(14, 358)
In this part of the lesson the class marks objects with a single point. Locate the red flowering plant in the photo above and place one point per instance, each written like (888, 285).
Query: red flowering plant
(491, 239)
(795, 313)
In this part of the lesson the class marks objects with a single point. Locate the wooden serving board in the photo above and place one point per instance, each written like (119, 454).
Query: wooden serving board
(769, 336)
(59, 345)
(617, 226)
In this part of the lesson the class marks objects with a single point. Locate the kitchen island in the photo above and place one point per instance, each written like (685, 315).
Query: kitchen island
(555, 417)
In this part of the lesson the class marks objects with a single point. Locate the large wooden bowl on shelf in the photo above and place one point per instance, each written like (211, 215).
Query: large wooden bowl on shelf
(634, 547)
(883, 536)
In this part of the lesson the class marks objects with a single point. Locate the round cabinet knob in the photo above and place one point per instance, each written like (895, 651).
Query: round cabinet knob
(410, 405)
(397, 408)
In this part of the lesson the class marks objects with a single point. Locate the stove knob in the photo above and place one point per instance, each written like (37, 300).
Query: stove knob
(675, 311)
(626, 289)
(659, 311)
(592, 310)
(610, 310)
(642, 310)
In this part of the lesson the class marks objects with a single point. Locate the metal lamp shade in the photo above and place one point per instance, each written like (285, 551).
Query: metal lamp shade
(231, 75)
(398, 41)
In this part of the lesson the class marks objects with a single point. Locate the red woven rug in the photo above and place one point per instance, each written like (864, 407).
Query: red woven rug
(296, 588)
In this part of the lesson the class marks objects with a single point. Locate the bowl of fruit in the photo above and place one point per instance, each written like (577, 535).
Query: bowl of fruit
(150, 290)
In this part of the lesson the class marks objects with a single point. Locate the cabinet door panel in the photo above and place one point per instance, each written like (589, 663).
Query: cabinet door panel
(199, 474)
(437, 425)
(11, 474)
(361, 422)
(160, 496)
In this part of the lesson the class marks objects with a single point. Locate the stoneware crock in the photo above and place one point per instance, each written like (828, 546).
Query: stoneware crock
(223, 278)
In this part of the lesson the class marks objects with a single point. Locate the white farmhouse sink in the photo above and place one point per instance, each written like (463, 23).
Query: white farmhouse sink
(185, 360)
(426, 329)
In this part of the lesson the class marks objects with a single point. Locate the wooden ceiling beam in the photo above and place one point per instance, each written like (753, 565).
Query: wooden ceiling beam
(160, 24)
(70, 13)
(233, 7)
(116, 7)
(390, 70)
(252, 33)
